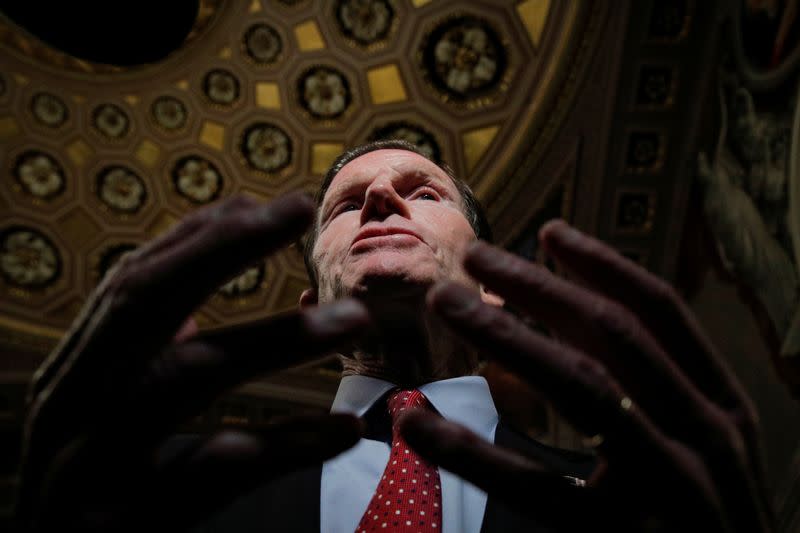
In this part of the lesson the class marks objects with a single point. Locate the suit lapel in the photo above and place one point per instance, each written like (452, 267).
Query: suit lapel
(289, 503)
(498, 516)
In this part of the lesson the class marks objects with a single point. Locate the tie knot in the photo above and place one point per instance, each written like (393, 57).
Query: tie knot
(405, 400)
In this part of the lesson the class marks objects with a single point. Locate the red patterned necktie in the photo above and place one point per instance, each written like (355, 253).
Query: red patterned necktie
(409, 494)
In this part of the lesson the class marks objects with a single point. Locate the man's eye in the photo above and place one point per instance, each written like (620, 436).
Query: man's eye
(426, 196)
(343, 208)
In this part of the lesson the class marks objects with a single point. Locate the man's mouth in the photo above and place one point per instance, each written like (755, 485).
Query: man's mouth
(375, 237)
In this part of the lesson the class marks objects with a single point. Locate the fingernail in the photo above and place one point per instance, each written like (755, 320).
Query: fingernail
(454, 299)
(570, 234)
(560, 230)
(556, 227)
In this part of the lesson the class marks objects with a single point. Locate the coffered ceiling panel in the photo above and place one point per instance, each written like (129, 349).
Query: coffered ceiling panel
(259, 99)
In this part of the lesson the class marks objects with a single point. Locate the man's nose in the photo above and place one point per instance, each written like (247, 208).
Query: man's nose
(382, 200)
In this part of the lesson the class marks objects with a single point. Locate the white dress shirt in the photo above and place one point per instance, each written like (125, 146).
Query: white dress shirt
(350, 479)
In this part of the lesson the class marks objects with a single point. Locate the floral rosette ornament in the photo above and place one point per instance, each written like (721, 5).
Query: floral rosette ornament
(49, 110)
(197, 180)
(262, 44)
(366, 21)
(221, 87)
(324, 92)
(121, 190)
(464, 56)
(111, 121)
(169, 113)
(267, 147)
(27, 258)
(39, 175)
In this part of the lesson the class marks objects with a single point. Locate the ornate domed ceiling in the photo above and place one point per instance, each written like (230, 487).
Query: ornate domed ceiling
(259, 100)
(590, 110)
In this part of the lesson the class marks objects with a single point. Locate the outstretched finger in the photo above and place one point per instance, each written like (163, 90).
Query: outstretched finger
(577, 385)
(175, 281)
(667, 317)
(604, 330)
(188, 376)
(580, 389)
(158, 290)
(513, 478)
(50, 367)
(654, 301)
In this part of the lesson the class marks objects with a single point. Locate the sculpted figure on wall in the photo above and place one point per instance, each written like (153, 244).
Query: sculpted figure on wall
(751, 182)
(746, 202)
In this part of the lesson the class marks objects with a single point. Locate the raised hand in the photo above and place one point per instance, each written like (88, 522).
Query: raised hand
(120, 381)
(677, 437)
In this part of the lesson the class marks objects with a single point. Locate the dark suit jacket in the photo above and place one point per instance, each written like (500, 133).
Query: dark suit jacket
(291, 503)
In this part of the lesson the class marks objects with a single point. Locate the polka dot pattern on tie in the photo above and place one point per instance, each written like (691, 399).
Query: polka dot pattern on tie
(409, 494)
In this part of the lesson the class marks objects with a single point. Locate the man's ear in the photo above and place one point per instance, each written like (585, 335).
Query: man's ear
(491, 298)
(308, 298)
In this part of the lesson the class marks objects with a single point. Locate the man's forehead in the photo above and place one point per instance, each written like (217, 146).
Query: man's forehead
(369, 165)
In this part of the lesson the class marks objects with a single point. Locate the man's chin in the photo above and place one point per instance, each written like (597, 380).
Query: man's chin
(392, 272)
(391, 286)
(395, 303)
(390, 292)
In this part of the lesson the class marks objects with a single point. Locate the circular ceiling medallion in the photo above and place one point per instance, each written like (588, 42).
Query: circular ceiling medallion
(28, 259)
(49, 110)
(412, 133)
(39, 175)
(364, 21)
(259, 99)
(110, 121)
(464, 57)
(324, 92)
(245, 283)
(197, 179)
(221, 87)
(121, 189)
(169, 113)
(262, 44)
(266, 147)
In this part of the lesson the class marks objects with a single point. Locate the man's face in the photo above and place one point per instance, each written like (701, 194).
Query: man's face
(390, 219)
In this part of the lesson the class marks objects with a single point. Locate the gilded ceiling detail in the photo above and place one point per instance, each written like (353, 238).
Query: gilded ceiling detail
(324, 92)
(259, 100)
(463, 58)
(365, 21)
(121, 190)
(39, 175)
(197, 180)
(262, 44)
(169, 113)
(28, 259)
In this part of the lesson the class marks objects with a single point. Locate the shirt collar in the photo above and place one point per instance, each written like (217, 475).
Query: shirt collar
(466, 400)
(356, 394)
